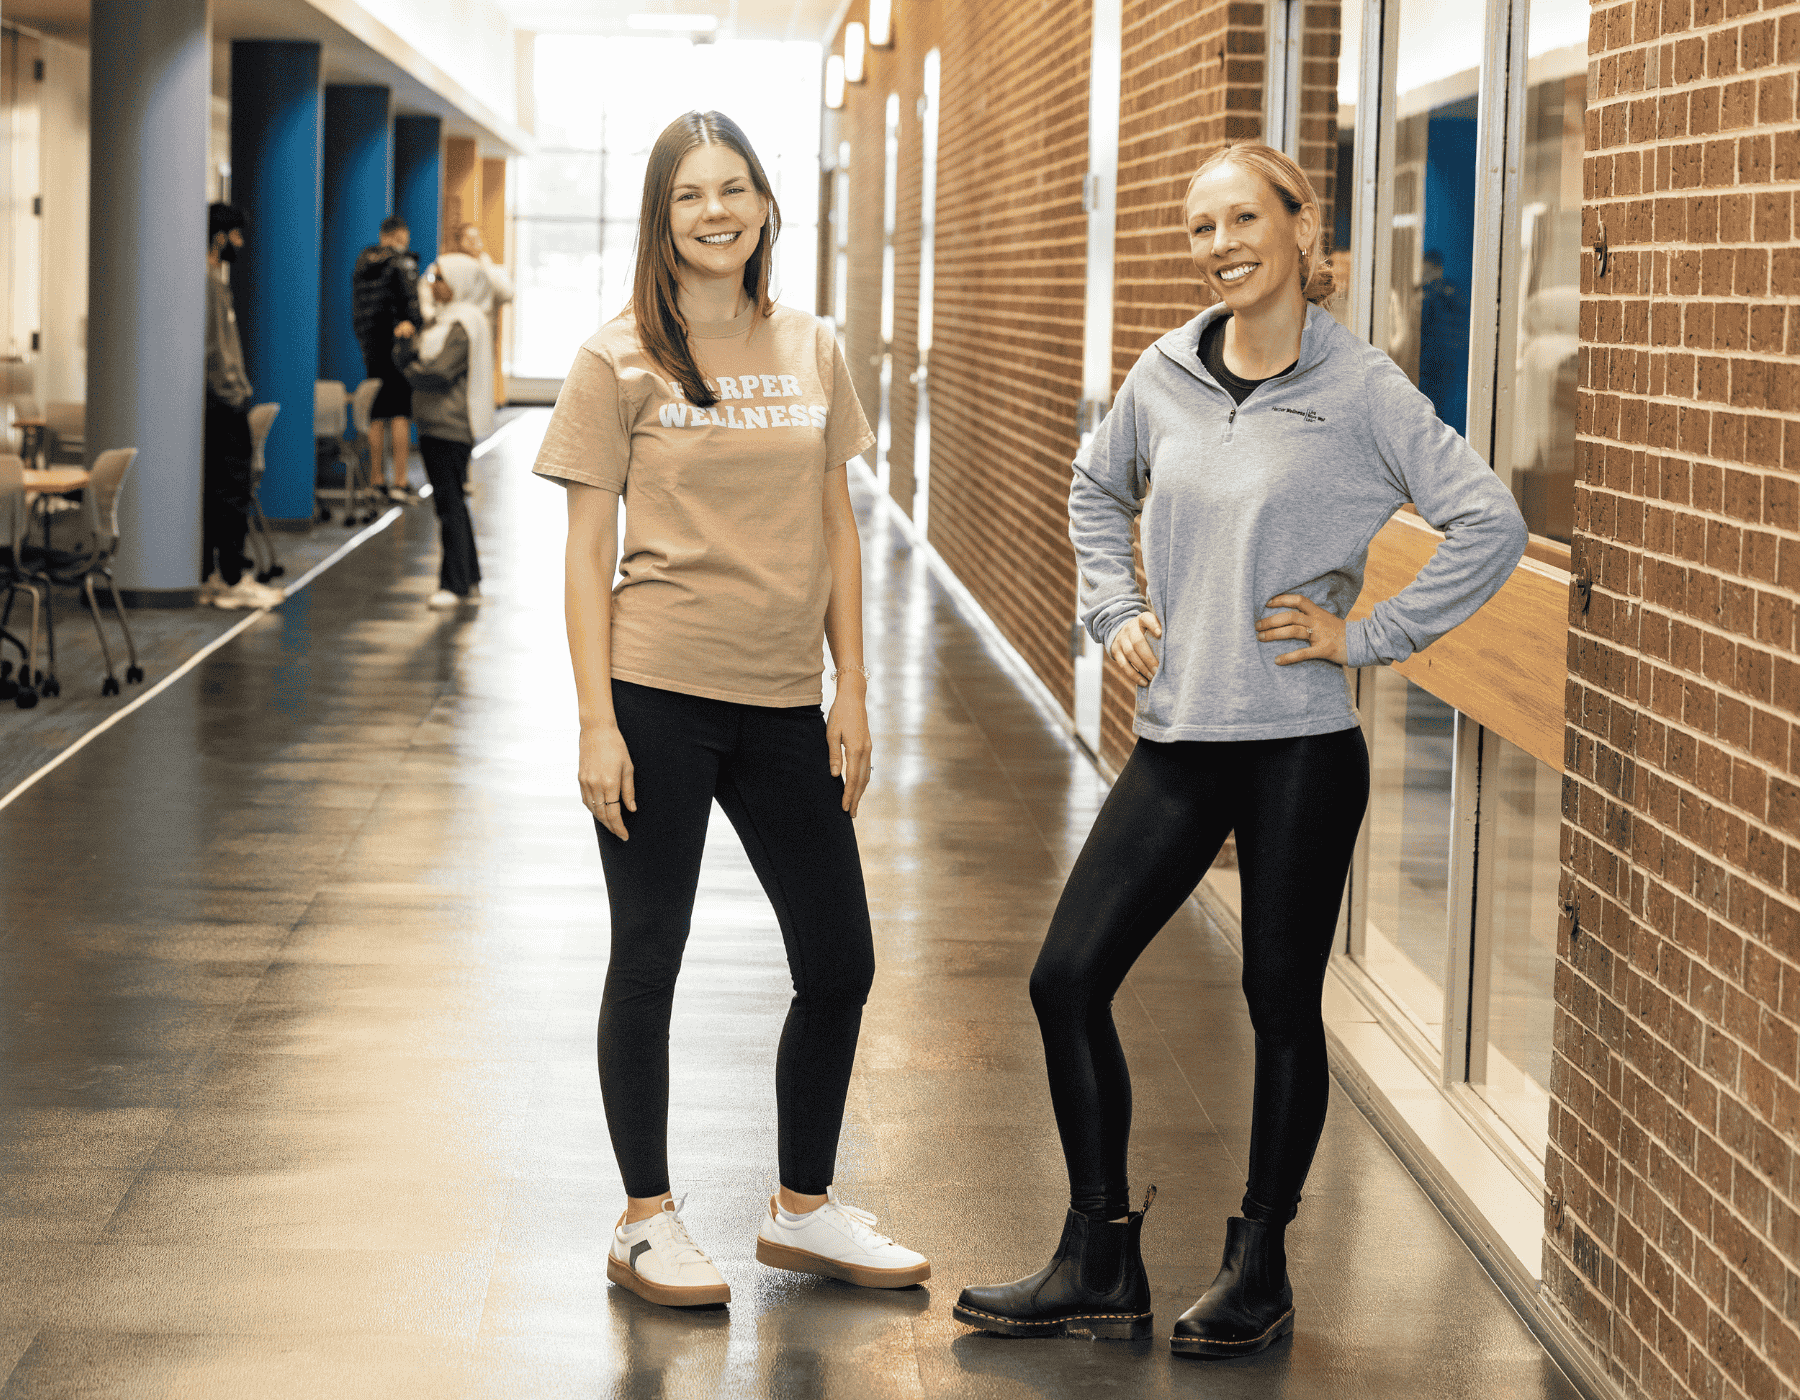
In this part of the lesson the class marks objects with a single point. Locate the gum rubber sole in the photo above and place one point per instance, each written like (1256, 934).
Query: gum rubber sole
(627, 1277)
(1102, 1327)
(801, 1261)
(1195, 1346)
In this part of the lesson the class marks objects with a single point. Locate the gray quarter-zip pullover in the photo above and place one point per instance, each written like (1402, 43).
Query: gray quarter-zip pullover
(1281, 494)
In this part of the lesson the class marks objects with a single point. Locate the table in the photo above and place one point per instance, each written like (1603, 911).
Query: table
(54, 481)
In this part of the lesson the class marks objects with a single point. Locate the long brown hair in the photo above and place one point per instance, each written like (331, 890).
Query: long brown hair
(1295, 192)
(662, 329)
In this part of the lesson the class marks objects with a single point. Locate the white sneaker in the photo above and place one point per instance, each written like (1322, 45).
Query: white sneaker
(247, 593)
(838, 1241)
(658, 1260)
(210, 590)
(442, 599)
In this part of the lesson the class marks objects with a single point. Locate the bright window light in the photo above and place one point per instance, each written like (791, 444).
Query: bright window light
(834, 81)
(881, 23)
(678, 24)
(855, 50)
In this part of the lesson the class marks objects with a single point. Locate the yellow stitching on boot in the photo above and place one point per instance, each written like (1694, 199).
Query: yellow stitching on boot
(1055, 1321)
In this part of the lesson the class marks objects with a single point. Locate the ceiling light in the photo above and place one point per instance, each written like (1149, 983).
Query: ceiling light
(834, 81)
(674, 24)
(881, 23)
(855, 50)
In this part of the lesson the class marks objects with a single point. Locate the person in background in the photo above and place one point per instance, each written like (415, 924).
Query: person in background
(496, 288)
(225, 490)
(452, 357)
(386, 305)
(493, 288)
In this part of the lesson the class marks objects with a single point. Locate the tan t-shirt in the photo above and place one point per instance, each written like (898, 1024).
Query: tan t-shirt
(724, 573)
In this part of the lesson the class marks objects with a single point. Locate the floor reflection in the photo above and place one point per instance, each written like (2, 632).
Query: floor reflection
(298, 975)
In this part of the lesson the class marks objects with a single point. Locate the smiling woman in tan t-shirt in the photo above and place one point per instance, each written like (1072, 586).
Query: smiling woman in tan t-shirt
(724, 422)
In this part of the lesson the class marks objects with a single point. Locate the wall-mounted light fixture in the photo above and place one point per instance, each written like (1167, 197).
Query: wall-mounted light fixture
(881, 23)
(855, 51)
(834, 81)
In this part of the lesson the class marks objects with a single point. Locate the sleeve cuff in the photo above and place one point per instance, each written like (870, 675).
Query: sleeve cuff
(1357, 650)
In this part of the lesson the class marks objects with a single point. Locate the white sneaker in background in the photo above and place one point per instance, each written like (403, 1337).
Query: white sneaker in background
(658, 1260)
(837, 1241)
(442, 599)
(248, 593)
(210, 590)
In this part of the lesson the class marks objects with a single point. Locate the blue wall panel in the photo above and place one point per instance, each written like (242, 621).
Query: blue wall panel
(358, 183)
(419, 180)
(275, 148)
(1450, 233)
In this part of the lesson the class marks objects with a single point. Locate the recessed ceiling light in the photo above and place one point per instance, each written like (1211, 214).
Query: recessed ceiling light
(677, 24)
(881, 23)
(834, 81)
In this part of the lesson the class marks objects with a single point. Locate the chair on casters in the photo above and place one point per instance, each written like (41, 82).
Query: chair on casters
(262, 543)
(331, 415)
(22, 688)
(361, 406)
(80, 568)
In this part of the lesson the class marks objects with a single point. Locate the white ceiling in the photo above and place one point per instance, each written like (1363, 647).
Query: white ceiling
(344, 58)
(740, 19)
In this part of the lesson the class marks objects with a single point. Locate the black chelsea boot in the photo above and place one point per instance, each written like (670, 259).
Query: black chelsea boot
(1095, 1284)
(1249, 1305)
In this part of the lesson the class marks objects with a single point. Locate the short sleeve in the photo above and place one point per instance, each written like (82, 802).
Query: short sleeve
(589, 437)
(847, 432)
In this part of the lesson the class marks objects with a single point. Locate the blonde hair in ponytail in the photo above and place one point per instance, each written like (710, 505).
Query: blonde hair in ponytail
(1295, 192)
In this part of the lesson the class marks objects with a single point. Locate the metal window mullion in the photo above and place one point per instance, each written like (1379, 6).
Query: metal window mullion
(1459, 902)
(1282, 75)
(1512, 263)
(1372, 240)
(1502, 62)
(1487, 865)
(1355, 913)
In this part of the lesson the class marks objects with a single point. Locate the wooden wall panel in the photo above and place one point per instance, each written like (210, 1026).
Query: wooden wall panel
(1506, 667)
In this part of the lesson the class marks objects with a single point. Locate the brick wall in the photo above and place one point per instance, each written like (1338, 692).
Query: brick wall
(1007, 334)
(1192, 76)
(1672, 1230)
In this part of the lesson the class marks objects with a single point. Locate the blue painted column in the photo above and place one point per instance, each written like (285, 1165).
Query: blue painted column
(358, 183)
(275, 144)
(150, 67)
(419, 180)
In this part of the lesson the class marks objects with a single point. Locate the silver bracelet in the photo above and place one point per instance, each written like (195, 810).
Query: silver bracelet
(863, 671)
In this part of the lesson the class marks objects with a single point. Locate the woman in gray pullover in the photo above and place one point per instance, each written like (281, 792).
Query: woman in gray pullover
(1263, 446)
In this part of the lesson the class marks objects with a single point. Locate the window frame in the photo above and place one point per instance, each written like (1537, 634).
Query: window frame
(1501, 107)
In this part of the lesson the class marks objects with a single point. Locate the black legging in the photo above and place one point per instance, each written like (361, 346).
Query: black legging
(225, 493)
(447, 468)
(769, 769)
(1296, 805)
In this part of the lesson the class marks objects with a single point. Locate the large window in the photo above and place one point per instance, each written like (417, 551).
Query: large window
(601, 103)
(1472, 286)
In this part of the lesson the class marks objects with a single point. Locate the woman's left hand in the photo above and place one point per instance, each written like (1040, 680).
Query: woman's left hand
(1323, 632)
(847, 735)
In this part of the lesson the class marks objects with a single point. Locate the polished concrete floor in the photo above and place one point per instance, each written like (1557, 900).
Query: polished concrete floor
(297, 991)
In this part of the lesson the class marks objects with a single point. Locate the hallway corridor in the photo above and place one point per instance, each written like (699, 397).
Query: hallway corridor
(299, 967)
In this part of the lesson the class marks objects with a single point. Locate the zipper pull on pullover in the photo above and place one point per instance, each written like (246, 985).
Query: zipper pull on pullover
(1230, 420)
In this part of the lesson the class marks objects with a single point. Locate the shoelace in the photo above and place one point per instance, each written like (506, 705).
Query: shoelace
(862, 1222)
(684, 1242)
